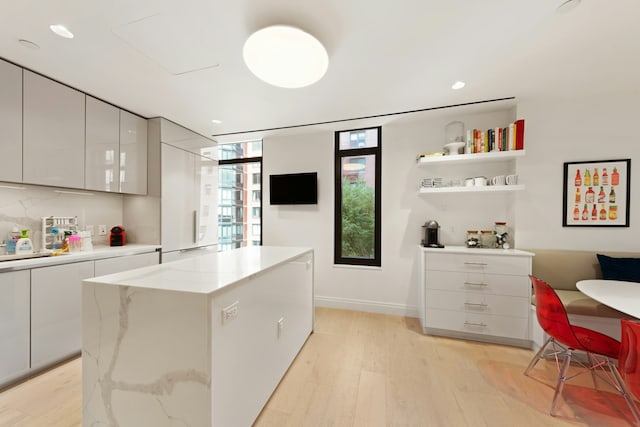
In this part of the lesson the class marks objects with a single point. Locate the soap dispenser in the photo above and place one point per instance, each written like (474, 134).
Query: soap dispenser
(23, 245)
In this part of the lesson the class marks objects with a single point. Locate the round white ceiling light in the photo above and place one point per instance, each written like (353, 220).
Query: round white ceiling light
(61, 30)
(285, 56)
(458, 85)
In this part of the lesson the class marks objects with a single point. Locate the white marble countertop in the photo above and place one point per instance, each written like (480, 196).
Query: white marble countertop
(478, 251)
(205, 274)
(98, 252)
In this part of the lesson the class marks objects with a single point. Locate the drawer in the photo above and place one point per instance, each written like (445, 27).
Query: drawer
(480, 263)
(480, 324)
(477, 303)
(496, 284)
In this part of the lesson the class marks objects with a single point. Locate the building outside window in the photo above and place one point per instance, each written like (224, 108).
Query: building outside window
(358, 204)
(240, 193)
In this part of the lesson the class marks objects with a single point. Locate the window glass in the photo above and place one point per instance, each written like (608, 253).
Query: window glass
(358, 205)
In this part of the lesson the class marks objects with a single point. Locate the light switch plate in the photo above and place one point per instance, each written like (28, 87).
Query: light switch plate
(229, 313)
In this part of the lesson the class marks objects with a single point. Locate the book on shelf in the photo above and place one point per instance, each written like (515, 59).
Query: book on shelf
(519, 128)
(506, 138)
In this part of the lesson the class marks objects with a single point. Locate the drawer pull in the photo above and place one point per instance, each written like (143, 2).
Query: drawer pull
(476, 304)
(478, 264)
(474, 324)
(475, 284)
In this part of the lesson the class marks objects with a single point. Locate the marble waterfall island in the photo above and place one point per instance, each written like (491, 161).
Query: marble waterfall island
(198, 342)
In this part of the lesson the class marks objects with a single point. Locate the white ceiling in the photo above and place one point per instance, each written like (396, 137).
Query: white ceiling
(183, 59)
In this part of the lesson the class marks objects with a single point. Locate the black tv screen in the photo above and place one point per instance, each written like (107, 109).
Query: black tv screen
(294, 189)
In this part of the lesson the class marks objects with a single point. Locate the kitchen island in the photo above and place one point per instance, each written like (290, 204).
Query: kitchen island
(201, 342)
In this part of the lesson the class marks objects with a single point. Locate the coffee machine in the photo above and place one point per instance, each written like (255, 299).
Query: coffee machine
(117, 236)
(432, 235)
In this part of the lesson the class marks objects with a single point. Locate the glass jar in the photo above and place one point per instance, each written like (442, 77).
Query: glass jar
(487, 239)
(473, 239)
(502, 235)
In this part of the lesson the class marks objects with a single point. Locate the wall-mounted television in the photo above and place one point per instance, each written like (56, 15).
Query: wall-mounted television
(294, 189)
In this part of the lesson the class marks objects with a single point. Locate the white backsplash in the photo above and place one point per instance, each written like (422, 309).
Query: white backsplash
(24, 206)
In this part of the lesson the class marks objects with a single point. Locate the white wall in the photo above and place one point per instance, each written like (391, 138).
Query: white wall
(392, 288)
(600, 128)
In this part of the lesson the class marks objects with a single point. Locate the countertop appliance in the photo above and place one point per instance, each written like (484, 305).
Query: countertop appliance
(432, 234)
(117, 236)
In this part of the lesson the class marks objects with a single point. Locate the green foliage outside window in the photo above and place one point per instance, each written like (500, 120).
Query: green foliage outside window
(358, 220)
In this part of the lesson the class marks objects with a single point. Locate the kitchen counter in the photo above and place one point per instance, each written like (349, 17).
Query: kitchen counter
(203, 340)
(205, 274)
(98, 252)
(478, 251)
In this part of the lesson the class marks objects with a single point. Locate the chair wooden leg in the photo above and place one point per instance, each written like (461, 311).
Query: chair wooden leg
(562, 378)
(539, 355)
(624, 391)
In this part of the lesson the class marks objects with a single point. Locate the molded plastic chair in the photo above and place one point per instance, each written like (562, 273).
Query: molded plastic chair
(629, 364)
(553, 319)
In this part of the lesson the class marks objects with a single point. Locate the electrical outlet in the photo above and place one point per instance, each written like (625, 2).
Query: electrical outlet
(90, 229)
(230, 312)
(102, 230)
(280, 326)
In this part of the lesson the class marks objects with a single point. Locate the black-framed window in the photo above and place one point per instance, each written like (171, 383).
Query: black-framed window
(358, 202)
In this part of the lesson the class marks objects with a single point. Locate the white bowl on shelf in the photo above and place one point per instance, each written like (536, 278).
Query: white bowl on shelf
(453, 148)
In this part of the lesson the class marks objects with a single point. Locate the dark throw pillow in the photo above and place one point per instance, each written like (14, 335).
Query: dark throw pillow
(626, 269)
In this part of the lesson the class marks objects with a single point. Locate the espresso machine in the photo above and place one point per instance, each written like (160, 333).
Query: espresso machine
(431, 235)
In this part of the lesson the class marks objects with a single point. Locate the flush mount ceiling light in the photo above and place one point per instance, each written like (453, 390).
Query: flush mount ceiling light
(458, 85)
(567, 6)
(29, 44)
(216, 121)
(285, 56)
(61, 30)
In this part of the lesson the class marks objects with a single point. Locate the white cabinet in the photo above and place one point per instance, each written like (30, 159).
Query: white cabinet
(53, 133)
(10, 122)
(481, 294)
(14, 324)
(101, 146)
(56, 311)
(133, 154)
(116, 149)
(120, 264)
(189, 199)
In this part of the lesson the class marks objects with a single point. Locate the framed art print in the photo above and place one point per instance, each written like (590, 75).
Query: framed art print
(596, 193)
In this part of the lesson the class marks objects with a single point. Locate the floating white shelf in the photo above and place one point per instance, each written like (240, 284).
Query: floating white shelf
(494, 156)
(485, 188)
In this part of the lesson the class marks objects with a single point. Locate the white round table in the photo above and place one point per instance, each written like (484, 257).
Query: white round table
(623, 296)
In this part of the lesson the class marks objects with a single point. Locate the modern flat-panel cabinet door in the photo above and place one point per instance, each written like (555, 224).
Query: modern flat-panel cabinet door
(124, 263)
(10, 122)
(102, 146)
(14, 324)
(53, 133)
(133, 153)
(56, 311)
(178, 202)
(206, 175)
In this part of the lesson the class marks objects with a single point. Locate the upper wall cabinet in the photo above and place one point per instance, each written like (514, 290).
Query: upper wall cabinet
(133, 154)
(102, 146)
(53, 133)
(10, 122)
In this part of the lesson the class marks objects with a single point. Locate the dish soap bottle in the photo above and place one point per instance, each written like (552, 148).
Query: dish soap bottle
(12, 239)
(23, 245)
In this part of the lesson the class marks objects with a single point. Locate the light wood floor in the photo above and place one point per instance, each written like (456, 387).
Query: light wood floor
(363, 369)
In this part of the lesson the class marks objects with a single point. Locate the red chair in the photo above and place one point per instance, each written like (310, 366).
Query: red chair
(553, 319)
(629, 364)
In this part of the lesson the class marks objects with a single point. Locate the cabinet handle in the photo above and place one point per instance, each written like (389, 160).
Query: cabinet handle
(475, 304)
(195, 226)
(475, 263)
(475, 284)
(475, 324)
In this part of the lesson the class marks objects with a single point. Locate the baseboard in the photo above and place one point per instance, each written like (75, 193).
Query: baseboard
(368, 306)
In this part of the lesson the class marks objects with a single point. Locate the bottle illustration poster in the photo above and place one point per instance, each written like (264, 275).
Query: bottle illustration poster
(596, 193)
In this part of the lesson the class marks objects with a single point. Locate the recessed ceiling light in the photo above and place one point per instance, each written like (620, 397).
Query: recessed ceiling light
(61, 30)
(458, 85)
(29, 44)
(285, 56)
(216, 122)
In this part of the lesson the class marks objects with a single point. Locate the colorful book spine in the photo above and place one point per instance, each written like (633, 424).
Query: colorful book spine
(520, 134)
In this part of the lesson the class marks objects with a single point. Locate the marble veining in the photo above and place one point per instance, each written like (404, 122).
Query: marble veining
(106, 385)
